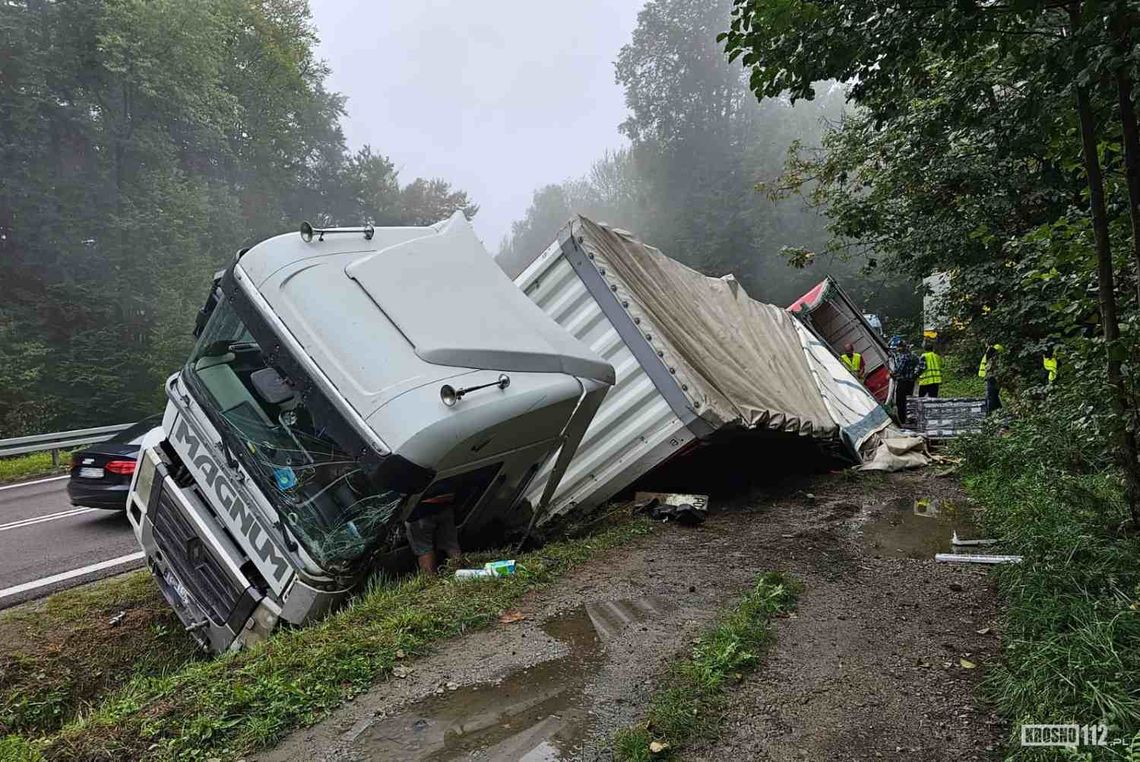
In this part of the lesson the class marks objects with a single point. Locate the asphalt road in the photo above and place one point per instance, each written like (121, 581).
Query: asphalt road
(47, 544)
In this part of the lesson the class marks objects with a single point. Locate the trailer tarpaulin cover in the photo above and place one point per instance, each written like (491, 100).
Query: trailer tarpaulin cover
(752, 364)
(857, 412)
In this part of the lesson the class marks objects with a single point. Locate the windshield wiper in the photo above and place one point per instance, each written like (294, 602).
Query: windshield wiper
(231, 460)
(226, 429)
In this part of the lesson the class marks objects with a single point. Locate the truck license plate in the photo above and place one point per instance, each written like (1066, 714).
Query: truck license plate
(90, 473)
(177, 587)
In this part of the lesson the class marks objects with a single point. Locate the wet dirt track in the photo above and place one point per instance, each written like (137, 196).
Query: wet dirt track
(868, 668)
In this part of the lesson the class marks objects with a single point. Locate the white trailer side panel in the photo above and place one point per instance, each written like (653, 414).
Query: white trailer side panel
(635, 429)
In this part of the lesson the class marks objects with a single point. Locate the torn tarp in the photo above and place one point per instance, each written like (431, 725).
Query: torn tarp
(896, 453)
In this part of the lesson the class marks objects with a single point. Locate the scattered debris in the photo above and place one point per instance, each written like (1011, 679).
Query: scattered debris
(959, 558)
(966, 664)
(897, 453)
(500, 568)
(983, 631)
(689, 510)
(656, 747)
(490, 569)
(473, 574)
(510, 617)
(958, 542)
(117, 618)
(925, 506)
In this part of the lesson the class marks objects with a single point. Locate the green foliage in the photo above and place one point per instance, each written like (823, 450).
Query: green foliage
(20, 467)
(16, 749)
(960, 377)
(1072, 620)
(691, 697)
(700, 146)
(244, 701)
(991, 142)
(143, 143)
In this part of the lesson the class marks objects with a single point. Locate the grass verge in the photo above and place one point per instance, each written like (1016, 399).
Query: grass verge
(690, 699)
(1072, 615)
(21, 467)
(241, 702)
(60, 654)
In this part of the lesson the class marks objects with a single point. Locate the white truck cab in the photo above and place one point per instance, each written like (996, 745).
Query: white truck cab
(338, 375)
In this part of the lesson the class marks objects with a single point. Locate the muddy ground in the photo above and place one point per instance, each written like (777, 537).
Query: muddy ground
(870, 666)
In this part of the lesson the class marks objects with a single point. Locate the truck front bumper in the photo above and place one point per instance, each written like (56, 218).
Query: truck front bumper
(198, 569)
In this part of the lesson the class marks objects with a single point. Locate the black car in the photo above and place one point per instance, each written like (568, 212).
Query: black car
(101, 474)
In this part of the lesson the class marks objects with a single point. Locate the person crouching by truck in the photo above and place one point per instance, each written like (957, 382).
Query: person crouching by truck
(930, 379)
(853, 361)
(430, 528)
(990, 370)
(905, 367)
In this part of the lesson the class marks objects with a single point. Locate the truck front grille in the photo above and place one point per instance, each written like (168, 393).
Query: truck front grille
(192, 560)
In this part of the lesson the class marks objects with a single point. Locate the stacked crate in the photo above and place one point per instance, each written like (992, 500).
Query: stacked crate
(945, 417)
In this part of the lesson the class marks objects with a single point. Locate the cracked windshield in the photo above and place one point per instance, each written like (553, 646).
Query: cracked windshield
(321, 493)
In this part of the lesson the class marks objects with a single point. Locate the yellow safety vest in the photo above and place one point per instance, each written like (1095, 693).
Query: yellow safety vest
(1050, 364)
(853, 362)
(933, 372)
(998, 349)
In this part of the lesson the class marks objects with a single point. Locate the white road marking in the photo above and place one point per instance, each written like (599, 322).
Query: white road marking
(8, 592)
(37, 481)
(42, 519)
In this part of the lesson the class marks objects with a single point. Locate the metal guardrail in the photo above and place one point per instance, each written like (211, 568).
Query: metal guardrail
(61, 440)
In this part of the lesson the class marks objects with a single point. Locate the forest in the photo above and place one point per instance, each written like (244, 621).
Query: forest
(143, 142)
(704, 162)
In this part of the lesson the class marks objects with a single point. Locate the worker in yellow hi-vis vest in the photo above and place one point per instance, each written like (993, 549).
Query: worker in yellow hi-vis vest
(853, 361)
(989, 369)
(931, 377)
(1049, 362)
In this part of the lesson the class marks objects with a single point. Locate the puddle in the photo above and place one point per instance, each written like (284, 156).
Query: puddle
(534, 714)
(918, 528)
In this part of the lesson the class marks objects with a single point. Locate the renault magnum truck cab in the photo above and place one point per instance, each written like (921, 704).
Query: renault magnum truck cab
(339, 377)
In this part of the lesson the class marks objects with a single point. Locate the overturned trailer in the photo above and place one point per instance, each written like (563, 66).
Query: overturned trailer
(695, 356)
(829, 313)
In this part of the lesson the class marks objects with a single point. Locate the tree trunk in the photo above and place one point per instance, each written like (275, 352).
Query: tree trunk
(1131, 141)
(1123, 434)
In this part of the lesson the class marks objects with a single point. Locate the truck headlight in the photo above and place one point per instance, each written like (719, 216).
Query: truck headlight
(144, 477)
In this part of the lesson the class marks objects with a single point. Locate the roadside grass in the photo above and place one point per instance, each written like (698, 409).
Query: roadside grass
(241, 702)
(59, 655)
(1072, 616)
(21, 467)
(691, 697)
(960, 378)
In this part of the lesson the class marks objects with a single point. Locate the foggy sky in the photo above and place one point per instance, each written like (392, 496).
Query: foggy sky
(497, 96)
